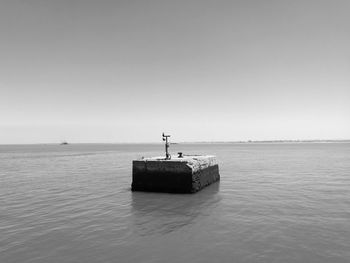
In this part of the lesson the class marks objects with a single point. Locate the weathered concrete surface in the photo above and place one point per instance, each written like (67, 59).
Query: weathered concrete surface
(178, 175)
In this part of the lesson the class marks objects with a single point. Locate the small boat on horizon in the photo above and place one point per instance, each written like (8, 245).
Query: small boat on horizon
(64, 143)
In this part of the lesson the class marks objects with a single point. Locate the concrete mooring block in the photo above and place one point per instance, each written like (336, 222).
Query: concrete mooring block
(187, 174)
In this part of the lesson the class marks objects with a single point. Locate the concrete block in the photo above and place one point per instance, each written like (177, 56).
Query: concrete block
(188, 174)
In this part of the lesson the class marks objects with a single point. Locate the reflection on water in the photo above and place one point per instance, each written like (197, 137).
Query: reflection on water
(159, 213)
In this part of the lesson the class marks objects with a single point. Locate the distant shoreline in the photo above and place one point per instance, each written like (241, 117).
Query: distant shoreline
(201, 142)
(268, 141)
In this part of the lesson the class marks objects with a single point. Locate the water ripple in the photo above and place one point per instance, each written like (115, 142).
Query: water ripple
(274, 203)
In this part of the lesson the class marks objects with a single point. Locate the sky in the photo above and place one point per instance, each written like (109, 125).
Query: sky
(125, 71)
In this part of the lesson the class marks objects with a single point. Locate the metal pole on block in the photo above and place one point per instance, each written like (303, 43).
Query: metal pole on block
(165, 138)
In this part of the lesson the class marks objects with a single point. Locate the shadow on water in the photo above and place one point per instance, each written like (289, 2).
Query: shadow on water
(160, 213)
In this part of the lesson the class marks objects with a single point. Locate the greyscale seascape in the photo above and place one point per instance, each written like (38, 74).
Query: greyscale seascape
(282, 202)
(174, 131)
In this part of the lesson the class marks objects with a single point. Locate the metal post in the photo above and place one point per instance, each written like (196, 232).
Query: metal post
(165, 138)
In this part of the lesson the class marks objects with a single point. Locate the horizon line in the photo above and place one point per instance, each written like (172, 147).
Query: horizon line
(193, 142)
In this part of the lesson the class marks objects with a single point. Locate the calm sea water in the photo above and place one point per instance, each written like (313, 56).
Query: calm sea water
(274, 203)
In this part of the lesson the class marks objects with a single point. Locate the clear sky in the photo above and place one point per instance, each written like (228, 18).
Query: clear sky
(124, 71)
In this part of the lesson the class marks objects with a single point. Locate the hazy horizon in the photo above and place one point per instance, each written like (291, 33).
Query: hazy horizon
(192, 142)
(125, 71)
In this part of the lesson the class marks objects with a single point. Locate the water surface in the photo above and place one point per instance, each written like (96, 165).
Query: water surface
(274, 203)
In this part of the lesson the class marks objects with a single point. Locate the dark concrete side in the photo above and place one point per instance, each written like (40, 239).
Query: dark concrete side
(157, 177)
(205, 177)
(171, 177)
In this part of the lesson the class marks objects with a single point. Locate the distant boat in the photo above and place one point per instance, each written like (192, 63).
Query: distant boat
(64, 143)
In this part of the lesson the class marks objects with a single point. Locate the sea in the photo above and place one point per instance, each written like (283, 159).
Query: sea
(275, 202)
